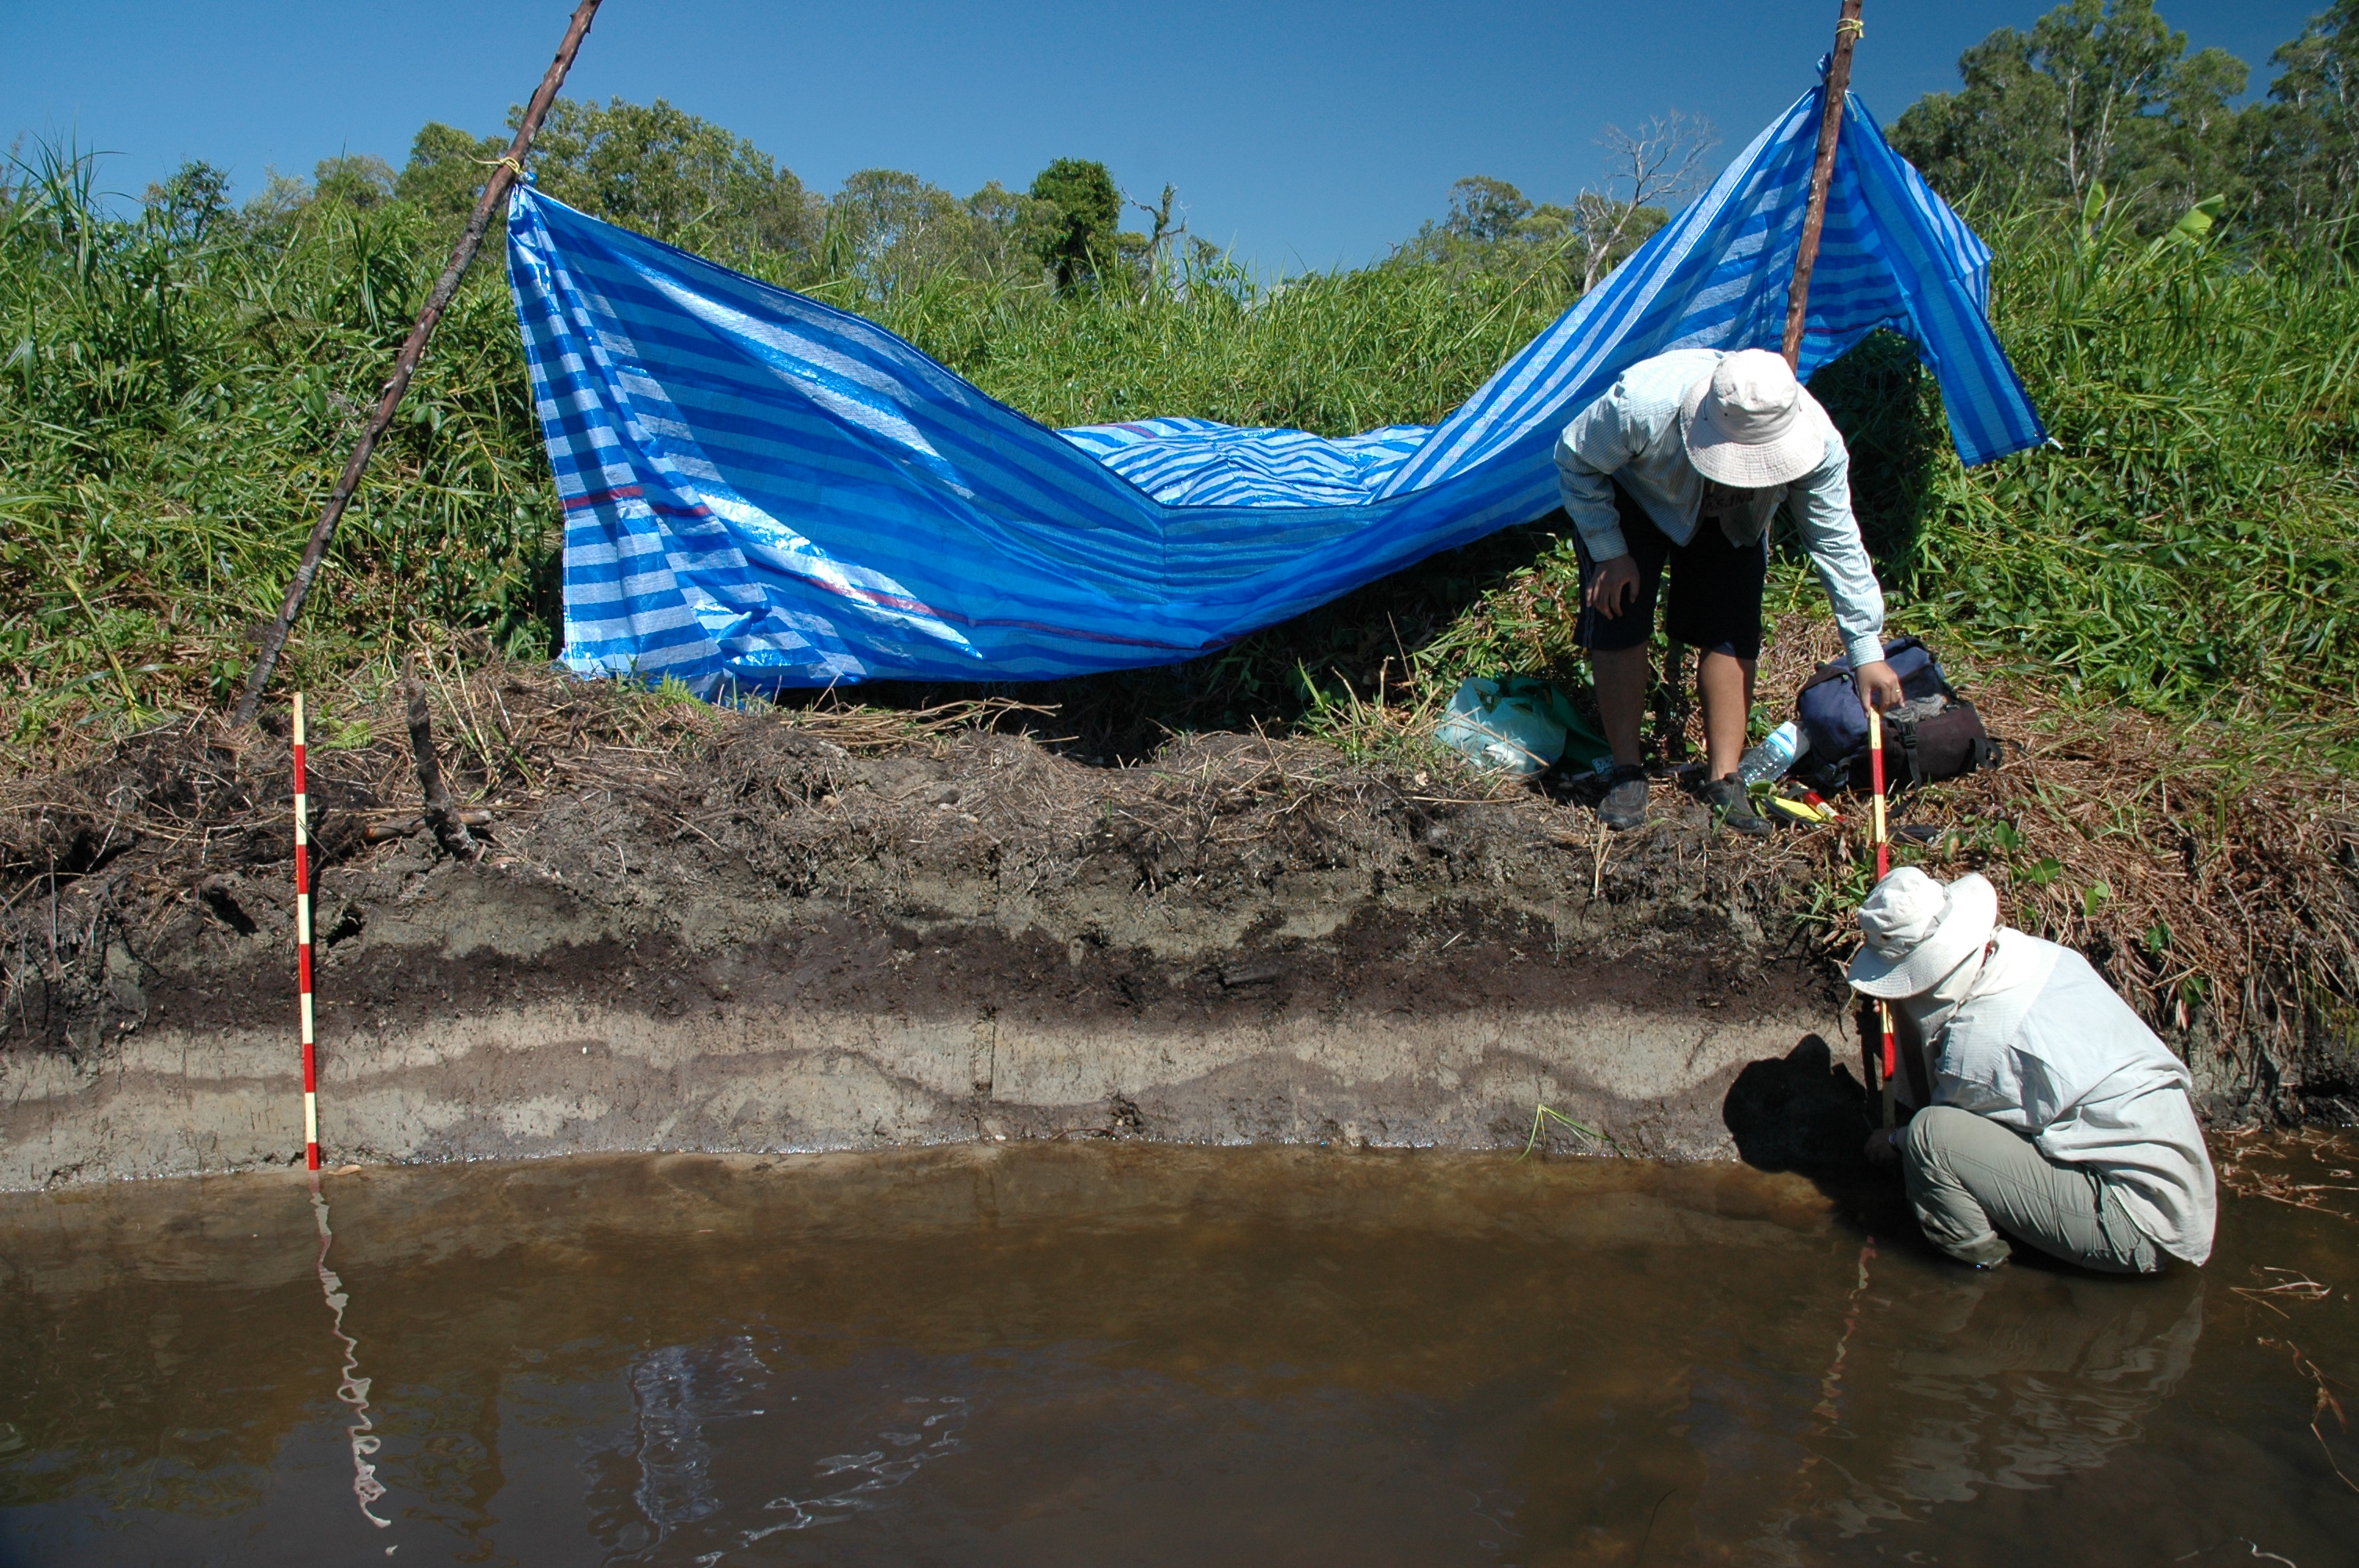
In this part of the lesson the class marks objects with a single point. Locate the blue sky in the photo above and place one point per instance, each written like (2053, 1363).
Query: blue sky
(1304, 134)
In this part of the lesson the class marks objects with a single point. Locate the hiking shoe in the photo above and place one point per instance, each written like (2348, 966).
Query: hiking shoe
(1733, 806)
(1624, 806)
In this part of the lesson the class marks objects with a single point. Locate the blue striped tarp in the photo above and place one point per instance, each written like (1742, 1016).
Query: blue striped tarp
(763, 491)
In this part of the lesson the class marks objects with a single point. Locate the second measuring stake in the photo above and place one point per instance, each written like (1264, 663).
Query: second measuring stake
(1891, 1057)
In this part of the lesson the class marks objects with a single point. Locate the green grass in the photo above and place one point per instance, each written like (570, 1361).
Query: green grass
(174, 405)
(1335, 353)
(2189, 545)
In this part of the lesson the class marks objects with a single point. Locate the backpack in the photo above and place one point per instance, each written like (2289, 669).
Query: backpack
(1934, 733)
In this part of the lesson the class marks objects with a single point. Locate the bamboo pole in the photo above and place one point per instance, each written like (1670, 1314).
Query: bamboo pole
(1848, 32)
(405, 365)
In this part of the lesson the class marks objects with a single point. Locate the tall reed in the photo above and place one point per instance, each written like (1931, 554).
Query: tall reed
(175, 401)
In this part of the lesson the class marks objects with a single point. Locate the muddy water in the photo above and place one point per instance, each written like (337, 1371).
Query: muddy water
(1132, 1355)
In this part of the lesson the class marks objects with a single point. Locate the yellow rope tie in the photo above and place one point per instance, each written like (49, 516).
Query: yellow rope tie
(497, 162)
(1852, 24)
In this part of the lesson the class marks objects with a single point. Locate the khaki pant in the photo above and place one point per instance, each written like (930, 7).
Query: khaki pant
(1969, 1178)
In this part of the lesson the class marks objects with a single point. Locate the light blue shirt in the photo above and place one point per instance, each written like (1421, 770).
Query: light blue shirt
(2042, 1044)
(1633, 434)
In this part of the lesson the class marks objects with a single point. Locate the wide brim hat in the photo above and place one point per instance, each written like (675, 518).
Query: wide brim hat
(1754, 447)
(1917, 930)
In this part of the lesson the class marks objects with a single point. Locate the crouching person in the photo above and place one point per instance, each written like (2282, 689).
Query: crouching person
(2058, 1118)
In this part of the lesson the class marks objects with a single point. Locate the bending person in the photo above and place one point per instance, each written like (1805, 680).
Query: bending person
(1677, 471)
(2057, 1116)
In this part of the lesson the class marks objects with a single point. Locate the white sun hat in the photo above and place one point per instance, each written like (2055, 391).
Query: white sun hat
(1751, 424)
(1918, 931)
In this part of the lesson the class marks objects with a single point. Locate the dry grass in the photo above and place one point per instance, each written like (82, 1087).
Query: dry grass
(510, 734)
(2254, 1164)
(2322, 1405)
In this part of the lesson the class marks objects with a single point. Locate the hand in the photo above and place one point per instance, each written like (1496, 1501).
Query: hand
(1614, 584)
(1880, 688)
(1884, 1147)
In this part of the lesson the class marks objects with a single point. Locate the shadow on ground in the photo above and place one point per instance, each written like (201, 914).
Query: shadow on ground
(1803, 1112)
(1797, 1112)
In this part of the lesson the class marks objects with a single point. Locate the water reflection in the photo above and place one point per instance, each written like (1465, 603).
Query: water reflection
(1157, 1355)
(2028, 1385)
(351, 1387)
(856, 1481)
(677, 1481)
(677, 1394)
(2016, 1380)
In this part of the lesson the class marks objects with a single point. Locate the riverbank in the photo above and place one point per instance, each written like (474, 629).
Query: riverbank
(692, 929)
(785, 944)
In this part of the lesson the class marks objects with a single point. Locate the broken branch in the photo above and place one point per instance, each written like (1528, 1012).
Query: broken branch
(440, 814)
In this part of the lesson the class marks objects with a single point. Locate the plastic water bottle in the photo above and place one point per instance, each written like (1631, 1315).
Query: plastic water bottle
(1779, 752)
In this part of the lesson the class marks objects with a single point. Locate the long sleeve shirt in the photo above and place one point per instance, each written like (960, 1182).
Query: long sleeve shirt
(2042, 1044)
(1631, 434)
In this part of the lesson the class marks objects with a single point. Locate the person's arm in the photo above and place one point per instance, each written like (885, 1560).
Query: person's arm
(1915, 1085)
(1594, 447)
(1822, 503)
(1990, 1086)
(1913, 1089)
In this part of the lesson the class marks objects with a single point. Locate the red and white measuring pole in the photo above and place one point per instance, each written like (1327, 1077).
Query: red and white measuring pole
(303, 950)
(1883, 870)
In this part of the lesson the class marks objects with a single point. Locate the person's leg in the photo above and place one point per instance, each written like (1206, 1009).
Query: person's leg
(1617, 644)
(1724, 690)
(1623, 676)
(1969, 1179)
(1715, 605)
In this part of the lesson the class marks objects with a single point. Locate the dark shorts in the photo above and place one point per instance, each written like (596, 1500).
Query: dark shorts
(1715, 599)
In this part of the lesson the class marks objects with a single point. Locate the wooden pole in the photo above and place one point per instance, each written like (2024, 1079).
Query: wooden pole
(405, 365)
(1848, 32)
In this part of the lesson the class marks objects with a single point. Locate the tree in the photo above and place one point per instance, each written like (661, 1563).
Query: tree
(891, 230)
(281, 200)
(1155, 249)
(1485, 214)
(1492, 224)
(2305, 141)
(673, 177)
(1012, 232)
(2099, 92)
(360, 181)
(447, 169)
(189, 205)
(1660, 163)
(1483, 210)
(1084, 243)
